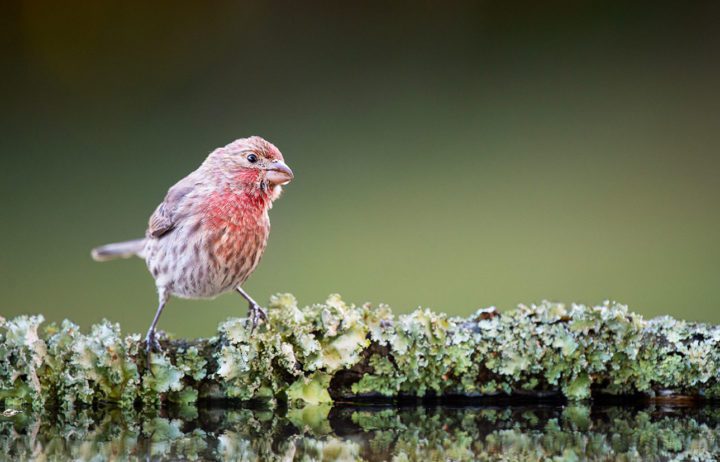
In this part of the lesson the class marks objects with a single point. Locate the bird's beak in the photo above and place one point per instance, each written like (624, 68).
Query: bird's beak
(278, 173)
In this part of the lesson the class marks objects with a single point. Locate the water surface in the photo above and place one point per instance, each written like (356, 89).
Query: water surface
(370, 433)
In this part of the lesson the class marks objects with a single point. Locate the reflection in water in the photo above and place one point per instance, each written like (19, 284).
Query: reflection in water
(371, 433)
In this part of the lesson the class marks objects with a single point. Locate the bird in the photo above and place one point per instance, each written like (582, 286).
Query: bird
(209, 233)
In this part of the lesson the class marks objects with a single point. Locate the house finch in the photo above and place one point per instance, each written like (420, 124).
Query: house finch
(209, 233)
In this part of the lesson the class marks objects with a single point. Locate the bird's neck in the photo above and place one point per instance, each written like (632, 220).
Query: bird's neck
(239, 200)
(240, 209)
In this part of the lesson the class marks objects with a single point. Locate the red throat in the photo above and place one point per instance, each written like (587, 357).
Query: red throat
(237, 210)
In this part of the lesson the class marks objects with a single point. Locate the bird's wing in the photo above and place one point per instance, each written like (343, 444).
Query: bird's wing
(167, 214)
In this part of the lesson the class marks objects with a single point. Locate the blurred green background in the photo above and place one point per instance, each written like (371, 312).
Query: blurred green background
(451, 155)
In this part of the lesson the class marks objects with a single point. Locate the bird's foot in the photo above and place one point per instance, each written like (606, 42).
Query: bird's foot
(255, 314)
(151, 344)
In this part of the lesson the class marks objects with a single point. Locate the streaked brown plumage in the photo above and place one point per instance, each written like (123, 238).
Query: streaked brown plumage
(210, 232)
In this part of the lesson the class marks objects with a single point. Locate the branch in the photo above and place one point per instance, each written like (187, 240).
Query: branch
(335, 351)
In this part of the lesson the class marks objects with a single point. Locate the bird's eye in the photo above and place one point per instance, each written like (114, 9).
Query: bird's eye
(252, 158)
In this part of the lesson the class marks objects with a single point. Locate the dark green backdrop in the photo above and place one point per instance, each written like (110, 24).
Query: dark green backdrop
(449, 154)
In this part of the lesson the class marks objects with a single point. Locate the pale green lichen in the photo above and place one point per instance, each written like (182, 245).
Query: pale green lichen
(300, 347)
(310, 390)
(338, 350)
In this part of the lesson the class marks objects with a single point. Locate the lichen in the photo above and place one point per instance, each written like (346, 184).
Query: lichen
(310, 390)
(299, 348)
(332, 350)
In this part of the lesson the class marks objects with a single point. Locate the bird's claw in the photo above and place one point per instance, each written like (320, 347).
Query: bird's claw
(151, 344)
(256, 313)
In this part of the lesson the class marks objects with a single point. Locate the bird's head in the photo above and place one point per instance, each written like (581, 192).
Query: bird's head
(253, 163)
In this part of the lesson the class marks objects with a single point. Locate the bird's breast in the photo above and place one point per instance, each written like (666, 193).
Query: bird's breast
(215, 249)
(236, 210)
(238, 226)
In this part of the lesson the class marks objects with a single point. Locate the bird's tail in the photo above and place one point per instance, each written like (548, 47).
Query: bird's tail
(125, 249)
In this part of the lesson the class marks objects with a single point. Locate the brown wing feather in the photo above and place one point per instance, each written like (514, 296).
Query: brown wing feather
(167, 214)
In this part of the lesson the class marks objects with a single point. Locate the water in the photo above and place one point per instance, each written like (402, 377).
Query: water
(370, 433)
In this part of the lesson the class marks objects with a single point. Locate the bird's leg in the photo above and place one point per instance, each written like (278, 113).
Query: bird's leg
(151, 343)
(255, 311)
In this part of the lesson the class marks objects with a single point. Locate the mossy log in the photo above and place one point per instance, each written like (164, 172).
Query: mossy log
(334, 351)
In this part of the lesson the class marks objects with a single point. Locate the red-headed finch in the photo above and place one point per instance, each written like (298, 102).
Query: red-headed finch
(209, 233)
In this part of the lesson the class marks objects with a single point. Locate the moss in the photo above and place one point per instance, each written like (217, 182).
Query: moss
(339, 350)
